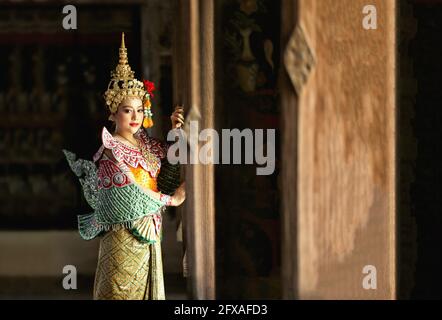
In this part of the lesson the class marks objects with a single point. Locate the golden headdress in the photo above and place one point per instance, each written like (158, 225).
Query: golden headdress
(123, 84)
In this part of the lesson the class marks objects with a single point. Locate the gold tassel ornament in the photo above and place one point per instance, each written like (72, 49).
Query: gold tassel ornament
(147, 122)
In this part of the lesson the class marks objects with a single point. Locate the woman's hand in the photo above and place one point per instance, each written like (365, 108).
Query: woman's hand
(177, 117)
(179, 196)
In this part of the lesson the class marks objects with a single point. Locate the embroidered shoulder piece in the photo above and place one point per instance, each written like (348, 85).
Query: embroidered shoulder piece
(155, 146)
(149, 157)
(86, 171)
(117, 202)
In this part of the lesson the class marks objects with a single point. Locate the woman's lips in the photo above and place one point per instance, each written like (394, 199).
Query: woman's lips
(133, 124)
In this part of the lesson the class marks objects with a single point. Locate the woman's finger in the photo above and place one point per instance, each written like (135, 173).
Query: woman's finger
(177, 117)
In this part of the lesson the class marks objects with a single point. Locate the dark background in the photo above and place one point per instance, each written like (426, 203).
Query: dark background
(420, 120)
(46, 195)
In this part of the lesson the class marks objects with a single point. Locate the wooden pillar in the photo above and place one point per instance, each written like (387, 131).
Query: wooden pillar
(194, 87)
(345, 180)
(289, 142)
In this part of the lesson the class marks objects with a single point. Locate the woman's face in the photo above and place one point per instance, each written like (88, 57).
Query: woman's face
(129, 116)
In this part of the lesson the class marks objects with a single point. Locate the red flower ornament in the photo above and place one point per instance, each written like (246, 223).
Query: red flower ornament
(150, 87)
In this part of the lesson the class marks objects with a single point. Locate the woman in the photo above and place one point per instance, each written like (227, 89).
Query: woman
(124, 192)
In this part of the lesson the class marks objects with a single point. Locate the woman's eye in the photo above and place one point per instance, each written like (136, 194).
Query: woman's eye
(127, 110)
(141, 110)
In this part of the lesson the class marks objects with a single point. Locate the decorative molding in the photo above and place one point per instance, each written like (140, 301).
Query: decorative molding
(298, 58)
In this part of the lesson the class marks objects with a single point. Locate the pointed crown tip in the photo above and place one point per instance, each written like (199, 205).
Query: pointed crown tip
(123, 45)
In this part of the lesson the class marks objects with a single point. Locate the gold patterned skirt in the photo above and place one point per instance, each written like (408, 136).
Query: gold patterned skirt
(128, 269)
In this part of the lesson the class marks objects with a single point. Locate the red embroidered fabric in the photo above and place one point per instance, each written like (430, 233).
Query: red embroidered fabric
(148, 157)
(110, 175)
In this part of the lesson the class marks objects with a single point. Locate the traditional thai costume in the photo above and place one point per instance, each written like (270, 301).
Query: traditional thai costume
(128, 218)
